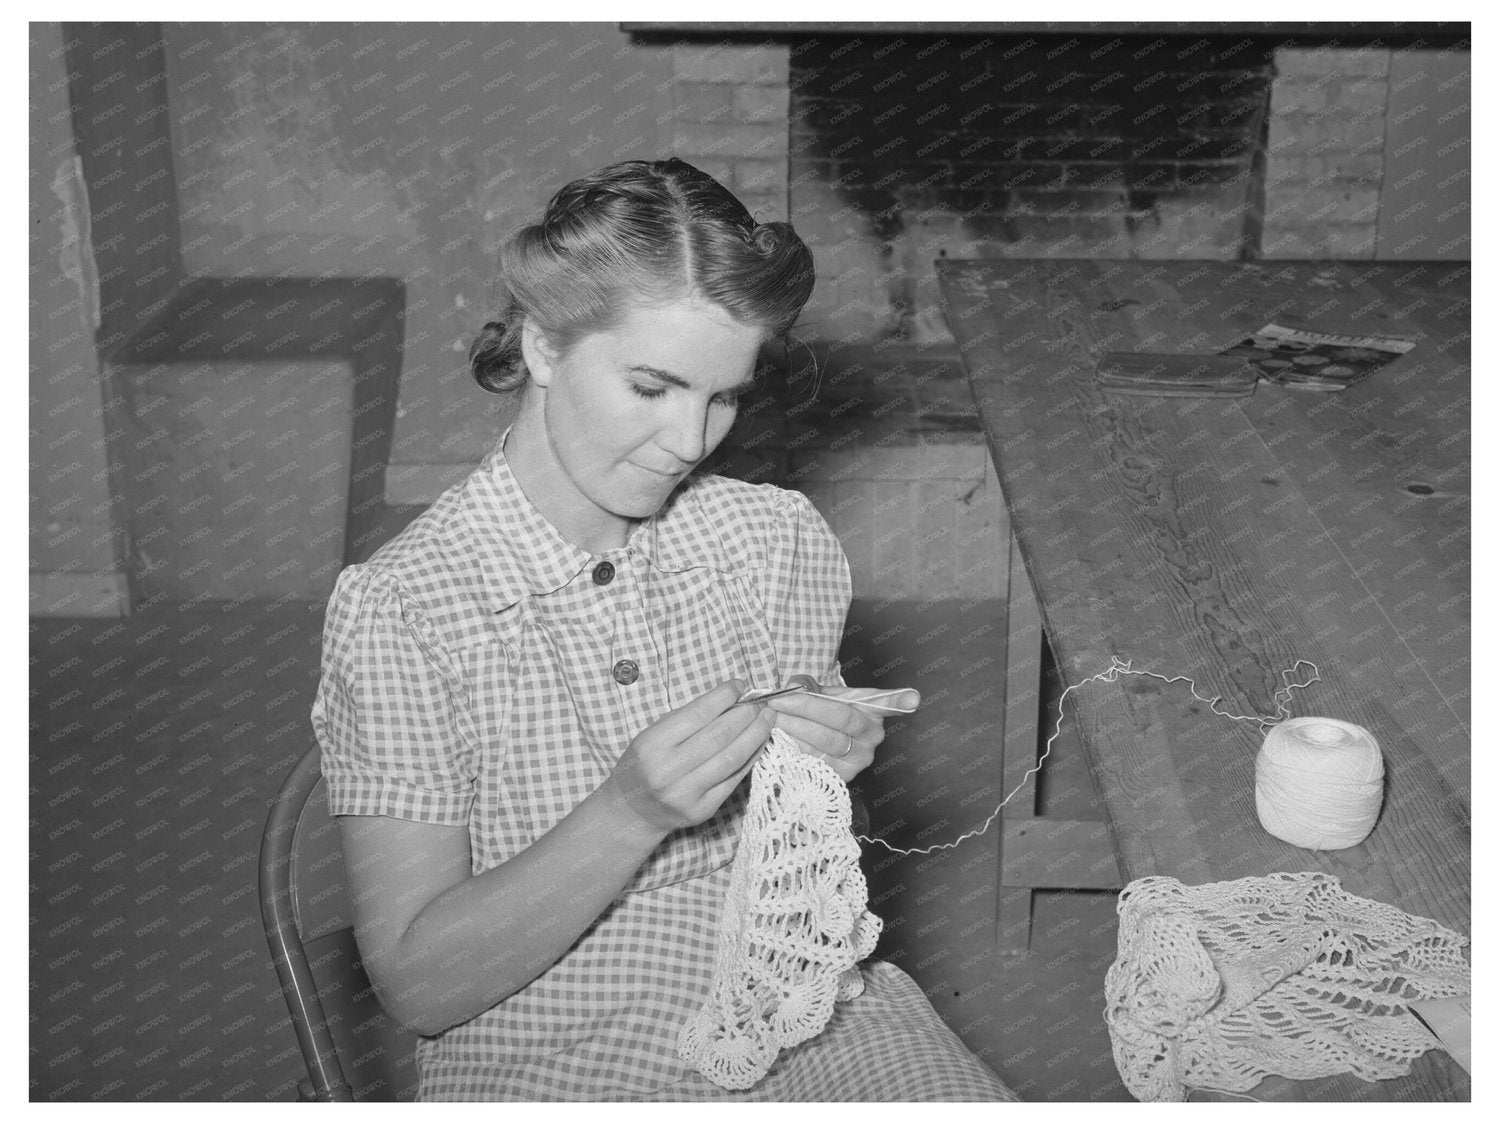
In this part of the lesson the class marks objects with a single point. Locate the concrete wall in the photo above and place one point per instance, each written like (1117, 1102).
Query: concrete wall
(75, 554)
(403, 151)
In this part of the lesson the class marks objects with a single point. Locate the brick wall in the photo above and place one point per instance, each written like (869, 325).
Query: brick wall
(1326, 152)
(730, 119)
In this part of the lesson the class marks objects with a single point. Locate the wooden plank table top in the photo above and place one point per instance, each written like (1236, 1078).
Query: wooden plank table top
(1225, 539)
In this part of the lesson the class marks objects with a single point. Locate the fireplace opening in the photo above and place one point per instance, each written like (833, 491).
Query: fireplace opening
(908, 147)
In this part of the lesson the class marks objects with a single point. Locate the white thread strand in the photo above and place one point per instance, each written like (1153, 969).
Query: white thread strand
(1224, 1092)
(1117, 667)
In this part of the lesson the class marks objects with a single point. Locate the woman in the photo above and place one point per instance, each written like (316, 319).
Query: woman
(529, 706)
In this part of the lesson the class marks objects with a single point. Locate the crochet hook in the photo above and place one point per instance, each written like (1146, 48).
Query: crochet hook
(762, 696)
(866, 702)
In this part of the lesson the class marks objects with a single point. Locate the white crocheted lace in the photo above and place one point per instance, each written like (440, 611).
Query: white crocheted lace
(794, 925)
(1218, 986)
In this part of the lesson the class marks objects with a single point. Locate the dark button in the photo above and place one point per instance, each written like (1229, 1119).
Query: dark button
(627, 672)
(604, 573)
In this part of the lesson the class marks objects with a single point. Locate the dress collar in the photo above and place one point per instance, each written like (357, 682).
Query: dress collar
(527, 556)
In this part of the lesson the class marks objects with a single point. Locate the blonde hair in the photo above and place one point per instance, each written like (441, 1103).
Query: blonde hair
(633, 233)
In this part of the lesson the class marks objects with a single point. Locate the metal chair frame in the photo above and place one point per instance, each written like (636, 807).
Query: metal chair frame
(282, 914)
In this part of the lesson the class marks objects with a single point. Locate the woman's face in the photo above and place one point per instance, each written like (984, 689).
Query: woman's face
(611, 427)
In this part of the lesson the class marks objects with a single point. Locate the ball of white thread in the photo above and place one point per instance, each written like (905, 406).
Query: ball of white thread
(1319, 783)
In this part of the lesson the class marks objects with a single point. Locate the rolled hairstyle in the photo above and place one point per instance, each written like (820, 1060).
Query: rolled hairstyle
(639, 232)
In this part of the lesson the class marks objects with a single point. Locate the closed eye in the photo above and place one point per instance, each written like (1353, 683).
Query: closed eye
(727, 398)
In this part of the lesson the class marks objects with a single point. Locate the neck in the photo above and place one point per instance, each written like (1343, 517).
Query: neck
(533, 462)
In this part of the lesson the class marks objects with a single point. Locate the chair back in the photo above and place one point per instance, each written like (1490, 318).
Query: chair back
(352, 1048)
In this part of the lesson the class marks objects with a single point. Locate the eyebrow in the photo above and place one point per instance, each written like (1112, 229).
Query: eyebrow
(748, 383)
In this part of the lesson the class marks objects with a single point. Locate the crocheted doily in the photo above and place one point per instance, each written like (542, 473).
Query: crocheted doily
(794, 926)
(1218, 986)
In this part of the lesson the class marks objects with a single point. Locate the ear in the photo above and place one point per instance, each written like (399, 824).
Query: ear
(541, 360)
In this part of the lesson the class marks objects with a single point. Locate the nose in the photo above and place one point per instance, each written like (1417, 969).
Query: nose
(686, 434)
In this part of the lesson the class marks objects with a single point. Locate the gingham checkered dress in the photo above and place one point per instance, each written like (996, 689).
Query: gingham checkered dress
(470, 678)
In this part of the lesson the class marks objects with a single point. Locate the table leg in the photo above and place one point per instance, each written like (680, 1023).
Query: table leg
(1018, 750)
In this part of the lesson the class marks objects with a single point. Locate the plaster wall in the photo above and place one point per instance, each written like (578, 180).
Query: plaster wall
(120, 121)
(244, 485)
(74, 558)
(356, 150)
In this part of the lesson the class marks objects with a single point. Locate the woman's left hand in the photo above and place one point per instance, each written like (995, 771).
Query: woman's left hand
(844, 736)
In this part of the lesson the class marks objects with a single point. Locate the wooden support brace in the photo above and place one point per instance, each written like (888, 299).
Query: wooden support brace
(1059, 854)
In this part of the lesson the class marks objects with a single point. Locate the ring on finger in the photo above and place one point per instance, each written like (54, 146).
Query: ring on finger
(848, 748)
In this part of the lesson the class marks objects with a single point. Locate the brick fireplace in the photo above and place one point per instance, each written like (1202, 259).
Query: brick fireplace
(888, 149)
(1020, 145)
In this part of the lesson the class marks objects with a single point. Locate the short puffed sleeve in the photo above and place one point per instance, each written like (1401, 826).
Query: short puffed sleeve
(807, 589)
(391, 713)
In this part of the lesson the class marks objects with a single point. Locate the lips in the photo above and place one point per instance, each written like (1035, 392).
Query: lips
(671, 474)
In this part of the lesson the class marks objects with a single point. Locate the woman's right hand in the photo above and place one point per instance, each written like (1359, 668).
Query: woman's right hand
(442, 944)
(677, 771)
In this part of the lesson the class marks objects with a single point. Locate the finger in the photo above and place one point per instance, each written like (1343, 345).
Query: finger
(818, 738)
(693, 716)
(846, 769)
(720, 792)
(700, 749)
(806, 681)
(833, 713)
(735, 755)
(907, 699)
(850, 765)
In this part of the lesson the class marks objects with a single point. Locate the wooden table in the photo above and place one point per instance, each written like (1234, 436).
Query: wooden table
(1226, 539)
